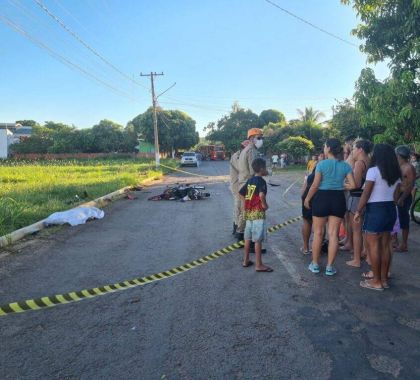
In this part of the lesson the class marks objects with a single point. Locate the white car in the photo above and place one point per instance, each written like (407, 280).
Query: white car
(190, 158)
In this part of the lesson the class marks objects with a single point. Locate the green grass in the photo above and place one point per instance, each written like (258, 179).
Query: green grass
(290, 168)
(32, 190)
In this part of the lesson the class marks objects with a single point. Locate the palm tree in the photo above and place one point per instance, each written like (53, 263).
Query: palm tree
(310, 115)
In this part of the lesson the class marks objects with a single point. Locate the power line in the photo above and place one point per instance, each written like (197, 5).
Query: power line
(87, 46)
(50, 28)
(15, 27)
(194, 105)
(74, 18)
(310, 24)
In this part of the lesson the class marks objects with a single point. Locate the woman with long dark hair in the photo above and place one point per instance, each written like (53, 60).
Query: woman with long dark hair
(328, 202)
(379, 196)
(307, 213)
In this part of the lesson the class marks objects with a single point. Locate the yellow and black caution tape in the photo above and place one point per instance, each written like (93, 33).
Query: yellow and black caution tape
(58, 299)
(183, 171)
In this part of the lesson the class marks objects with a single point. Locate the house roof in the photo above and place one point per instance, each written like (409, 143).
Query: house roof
(7, 125)
(23, 131)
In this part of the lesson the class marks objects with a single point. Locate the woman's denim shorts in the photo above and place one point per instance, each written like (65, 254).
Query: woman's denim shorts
(380, 217)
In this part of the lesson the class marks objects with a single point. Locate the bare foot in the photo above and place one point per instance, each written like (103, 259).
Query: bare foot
(401, 248)
(353, 263)
(385, 285)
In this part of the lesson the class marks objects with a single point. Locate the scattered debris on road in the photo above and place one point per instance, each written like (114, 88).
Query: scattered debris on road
(181, 193)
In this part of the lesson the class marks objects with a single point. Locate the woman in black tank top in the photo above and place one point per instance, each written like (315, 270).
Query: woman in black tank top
(307, 213)
(361, 149)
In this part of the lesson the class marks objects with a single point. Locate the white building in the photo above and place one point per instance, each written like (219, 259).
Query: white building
(11, 133)
(5, 137)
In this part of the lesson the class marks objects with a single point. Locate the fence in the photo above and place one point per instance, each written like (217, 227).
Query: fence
(63, 156)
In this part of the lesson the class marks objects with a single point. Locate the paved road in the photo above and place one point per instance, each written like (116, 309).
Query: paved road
(216, 321)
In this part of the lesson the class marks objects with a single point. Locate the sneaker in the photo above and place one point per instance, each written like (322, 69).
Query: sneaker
(314, 268)
(330, 271)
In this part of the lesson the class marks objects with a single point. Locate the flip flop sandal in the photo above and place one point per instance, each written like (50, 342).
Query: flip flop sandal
(366, 276)
(366, 285)
(308, 252)
(264, 270)
(248, 264)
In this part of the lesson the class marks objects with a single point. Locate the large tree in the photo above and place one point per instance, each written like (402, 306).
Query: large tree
(176, 129)
(232, 129)
(390, 30)
(310, 115)
(271, 116)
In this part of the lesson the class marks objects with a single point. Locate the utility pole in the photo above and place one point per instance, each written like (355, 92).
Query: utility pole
(155, 127)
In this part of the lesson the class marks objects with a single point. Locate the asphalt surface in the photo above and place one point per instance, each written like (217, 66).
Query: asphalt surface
(217, 321)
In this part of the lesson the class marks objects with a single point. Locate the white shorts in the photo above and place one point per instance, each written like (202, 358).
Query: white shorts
(255, 230)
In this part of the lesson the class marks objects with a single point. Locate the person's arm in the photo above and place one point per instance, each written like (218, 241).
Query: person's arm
(263, 201)
(350, 182)
(250, 157)
(359, 168)
(305, 181)
(397, 192)
(367, 191)
(407, 184)
(243, 191)
(313, 189)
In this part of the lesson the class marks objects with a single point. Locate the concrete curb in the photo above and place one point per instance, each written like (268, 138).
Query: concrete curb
(40, 225)
(98, 202)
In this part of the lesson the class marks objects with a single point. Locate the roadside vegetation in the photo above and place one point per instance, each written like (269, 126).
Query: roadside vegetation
(32, 190)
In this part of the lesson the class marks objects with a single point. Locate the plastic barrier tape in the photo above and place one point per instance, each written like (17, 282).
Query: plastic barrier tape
(58, 299)
(183, 171)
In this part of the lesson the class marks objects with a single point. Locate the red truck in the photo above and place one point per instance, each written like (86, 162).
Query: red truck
(213, 152)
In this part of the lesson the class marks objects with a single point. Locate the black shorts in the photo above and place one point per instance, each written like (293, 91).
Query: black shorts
(306, 214)
(329, 203)
(404, 213)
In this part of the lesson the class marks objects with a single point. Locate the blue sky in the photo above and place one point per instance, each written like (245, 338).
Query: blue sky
(216, 51)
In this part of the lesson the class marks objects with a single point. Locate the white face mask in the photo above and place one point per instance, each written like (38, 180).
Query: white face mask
(258, 143)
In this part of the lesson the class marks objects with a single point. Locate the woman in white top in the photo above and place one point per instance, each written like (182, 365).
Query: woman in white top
(379, 196)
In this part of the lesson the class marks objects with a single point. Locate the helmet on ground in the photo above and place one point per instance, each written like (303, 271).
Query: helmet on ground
(403, 151)
(254, 132)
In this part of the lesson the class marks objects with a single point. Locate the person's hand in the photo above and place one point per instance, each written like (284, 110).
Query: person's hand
(307, 204)
(400, 202)
(357, 217)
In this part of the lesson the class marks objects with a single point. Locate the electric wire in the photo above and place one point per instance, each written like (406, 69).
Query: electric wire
(18, 29)
(87, 46)
(73, 17)
(81, 59)
(195, 105)
(311, 24)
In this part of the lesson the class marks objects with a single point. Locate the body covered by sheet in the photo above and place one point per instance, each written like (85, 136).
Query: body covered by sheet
(75, 216)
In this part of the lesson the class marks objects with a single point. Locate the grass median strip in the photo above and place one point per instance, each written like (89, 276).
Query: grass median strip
(32, 190)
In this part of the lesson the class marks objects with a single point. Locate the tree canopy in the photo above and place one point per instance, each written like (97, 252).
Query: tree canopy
(52, 137)
(232, 129)
(176, 129)
(271, 116)
(390, 30)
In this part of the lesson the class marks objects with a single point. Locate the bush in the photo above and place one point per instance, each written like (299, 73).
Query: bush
(297, 147)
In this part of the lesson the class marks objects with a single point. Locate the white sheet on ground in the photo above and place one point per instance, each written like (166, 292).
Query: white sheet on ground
(75, 216)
